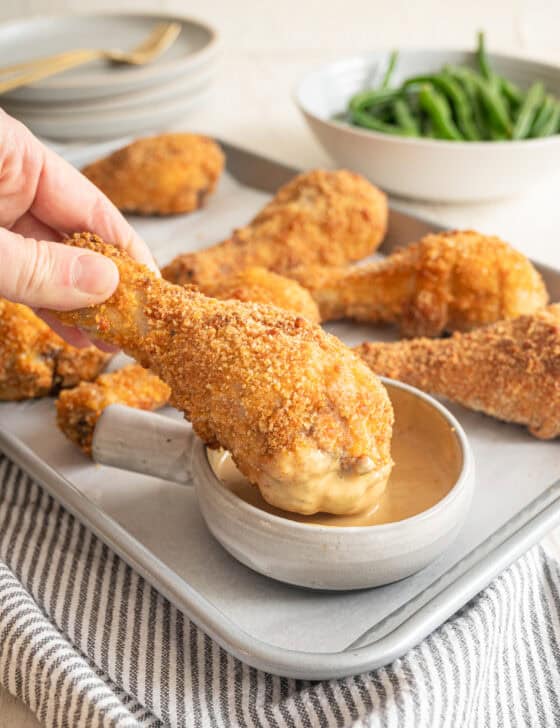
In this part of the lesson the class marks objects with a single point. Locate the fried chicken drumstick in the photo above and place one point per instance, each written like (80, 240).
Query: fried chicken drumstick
(303, 417)
(258, 285)
(36, 362)
(318, 217)
(160, 175)
(78, 409)
(454, 281)
(510, 370)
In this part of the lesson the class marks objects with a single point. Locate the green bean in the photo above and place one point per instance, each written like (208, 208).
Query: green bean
(404, 118)
(459, 101)
(456, 103)
(463, 76)
(497, 136)
(511, 92)
(390, 68)
(542, 116)
(552, 126)
(483, 62)
(366, 99)
(384, 112)
(492, 101)
(494, 104)
(528, 111)
(437, 107)
(367, 120)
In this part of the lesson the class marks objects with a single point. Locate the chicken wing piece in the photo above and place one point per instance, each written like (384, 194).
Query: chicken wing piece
(509, 370)
(318, 217)
(453, 281)
(78, 409)
(258, 285)
(303, 417)
(159, 175)
(34, 361)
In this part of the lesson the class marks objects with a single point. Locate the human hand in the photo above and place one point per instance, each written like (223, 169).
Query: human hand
(42, 197)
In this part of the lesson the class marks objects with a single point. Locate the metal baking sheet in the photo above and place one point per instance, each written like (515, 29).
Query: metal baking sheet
(157, 528)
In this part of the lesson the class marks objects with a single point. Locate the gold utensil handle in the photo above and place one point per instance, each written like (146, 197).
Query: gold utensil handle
(39, 62)
(49, 67)
(161, 38)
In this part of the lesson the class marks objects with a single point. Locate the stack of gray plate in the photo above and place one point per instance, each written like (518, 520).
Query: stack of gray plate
(102, 100)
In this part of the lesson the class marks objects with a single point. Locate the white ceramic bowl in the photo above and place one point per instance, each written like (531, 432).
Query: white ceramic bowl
(324, 557)
(424, 168)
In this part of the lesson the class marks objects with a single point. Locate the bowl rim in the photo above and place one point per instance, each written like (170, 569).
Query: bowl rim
(417, 141)
(465, 476)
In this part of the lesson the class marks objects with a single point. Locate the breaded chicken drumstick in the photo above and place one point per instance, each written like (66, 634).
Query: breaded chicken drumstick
(159, 175)
(510, 370)
(258, 285)
(36, 362)
(453, 281)
(318, 217)
(303, 417)
(78, 409)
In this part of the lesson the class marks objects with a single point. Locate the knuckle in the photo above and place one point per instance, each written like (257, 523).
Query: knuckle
(99, 213)
(36, 268)
(101, 219)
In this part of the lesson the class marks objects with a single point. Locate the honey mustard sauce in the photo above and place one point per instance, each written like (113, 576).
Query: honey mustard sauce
(427, 457)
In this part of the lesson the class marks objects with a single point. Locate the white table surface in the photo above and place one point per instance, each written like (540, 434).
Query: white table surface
(268, 45)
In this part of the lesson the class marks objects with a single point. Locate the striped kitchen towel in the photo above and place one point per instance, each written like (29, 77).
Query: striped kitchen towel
(85, 641)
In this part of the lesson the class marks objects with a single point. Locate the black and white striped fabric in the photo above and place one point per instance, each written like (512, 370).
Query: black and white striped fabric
(84, 641)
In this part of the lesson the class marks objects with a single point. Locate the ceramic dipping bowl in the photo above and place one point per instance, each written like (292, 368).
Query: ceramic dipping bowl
(304, 554)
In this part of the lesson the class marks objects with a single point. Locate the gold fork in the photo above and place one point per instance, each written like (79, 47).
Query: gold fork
(159, 40)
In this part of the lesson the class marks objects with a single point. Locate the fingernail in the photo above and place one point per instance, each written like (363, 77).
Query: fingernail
(95, 275)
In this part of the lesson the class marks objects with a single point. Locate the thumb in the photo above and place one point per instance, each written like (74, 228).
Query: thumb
(44, 274)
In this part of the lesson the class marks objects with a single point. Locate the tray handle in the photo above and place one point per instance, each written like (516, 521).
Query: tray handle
(144, 442)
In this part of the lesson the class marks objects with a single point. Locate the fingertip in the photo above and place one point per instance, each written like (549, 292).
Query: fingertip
(95, 276)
